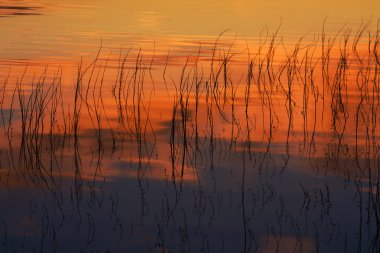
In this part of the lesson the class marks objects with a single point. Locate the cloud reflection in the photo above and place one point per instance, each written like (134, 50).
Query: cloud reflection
(14, 10)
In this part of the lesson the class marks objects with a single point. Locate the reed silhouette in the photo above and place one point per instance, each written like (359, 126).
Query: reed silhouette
(268, 146)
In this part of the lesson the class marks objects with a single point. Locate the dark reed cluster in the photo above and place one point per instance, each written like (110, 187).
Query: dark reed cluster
(264, 146)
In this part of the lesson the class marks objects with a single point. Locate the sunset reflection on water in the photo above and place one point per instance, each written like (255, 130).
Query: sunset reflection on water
(217, 126)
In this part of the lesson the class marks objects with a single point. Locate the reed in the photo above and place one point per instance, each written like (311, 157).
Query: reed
(245, 123)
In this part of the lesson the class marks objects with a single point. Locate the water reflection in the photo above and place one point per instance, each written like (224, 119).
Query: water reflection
(263, 148)
(18, 11)
(68, 28)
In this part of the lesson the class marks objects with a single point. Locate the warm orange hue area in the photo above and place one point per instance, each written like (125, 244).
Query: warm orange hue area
(70, 29)
(161, 81)
(162, 51)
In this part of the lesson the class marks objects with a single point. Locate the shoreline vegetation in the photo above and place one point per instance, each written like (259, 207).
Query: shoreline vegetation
(314, 104)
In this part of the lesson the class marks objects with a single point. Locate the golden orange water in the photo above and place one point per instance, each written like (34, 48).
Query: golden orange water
(244, 122)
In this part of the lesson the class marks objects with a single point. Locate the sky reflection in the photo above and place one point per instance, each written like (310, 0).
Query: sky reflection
(192, 126)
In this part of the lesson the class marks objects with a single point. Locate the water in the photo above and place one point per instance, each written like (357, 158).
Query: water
(69, 29)
(189, 127)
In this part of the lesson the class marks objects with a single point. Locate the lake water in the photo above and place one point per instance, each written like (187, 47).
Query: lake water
(190, 126)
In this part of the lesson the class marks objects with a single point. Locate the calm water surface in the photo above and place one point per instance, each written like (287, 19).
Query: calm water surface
(189, 126)
(68, 29)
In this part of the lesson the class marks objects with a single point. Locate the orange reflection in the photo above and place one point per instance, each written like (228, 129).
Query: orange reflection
(289, 99)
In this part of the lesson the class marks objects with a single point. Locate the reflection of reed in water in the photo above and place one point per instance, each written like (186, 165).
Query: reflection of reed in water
(225, 123)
